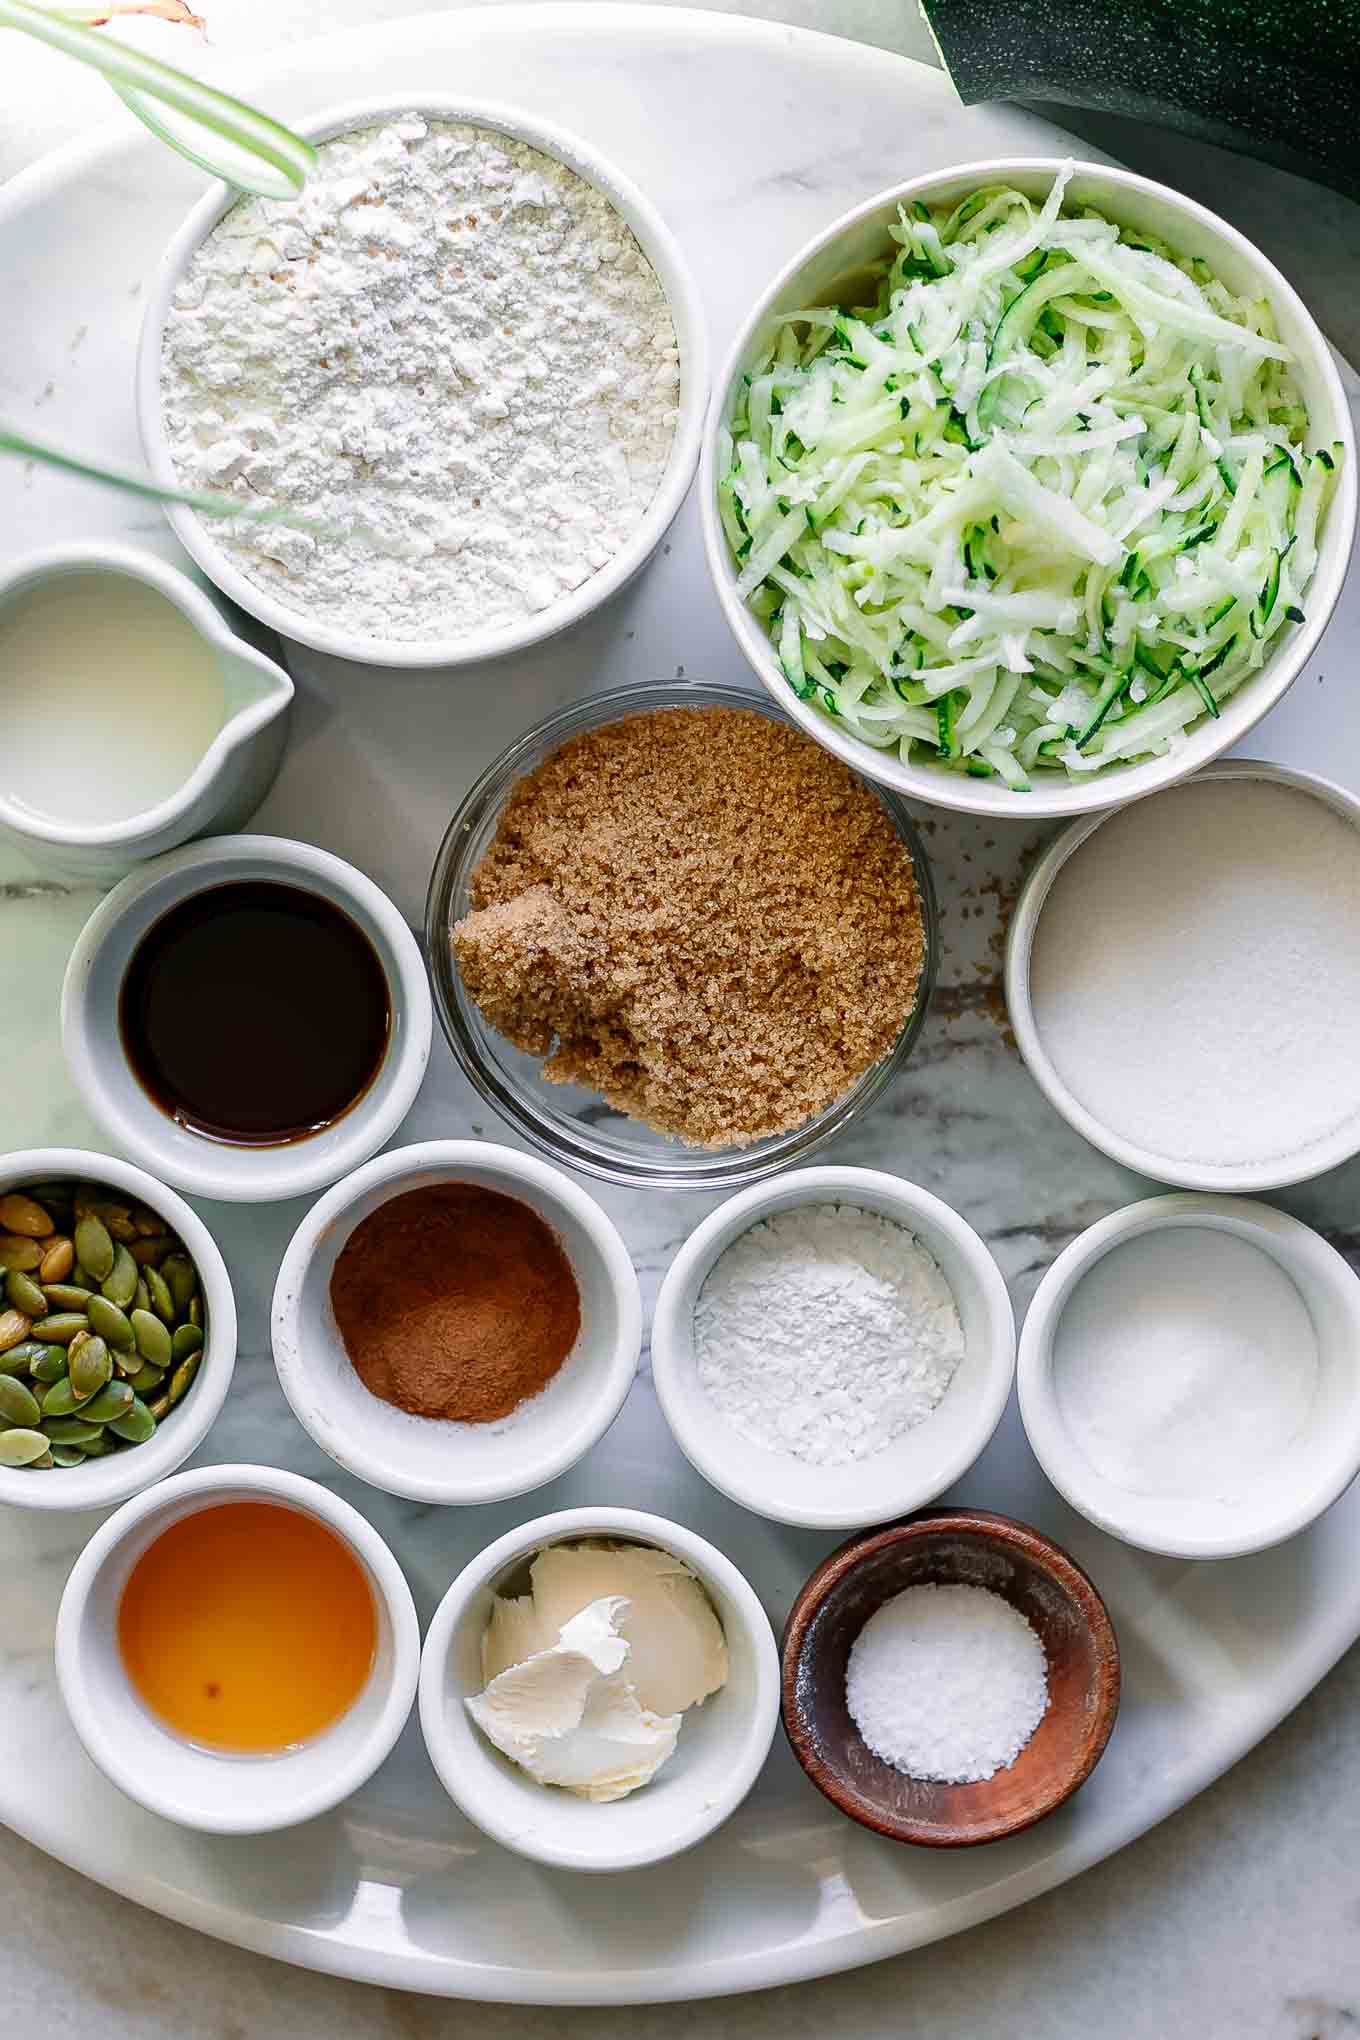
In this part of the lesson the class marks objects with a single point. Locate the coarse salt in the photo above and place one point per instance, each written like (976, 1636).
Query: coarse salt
(947, 1683)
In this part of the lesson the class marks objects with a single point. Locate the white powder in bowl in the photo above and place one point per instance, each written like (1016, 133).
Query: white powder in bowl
(826, 1331)
(947, 1682)
(450, 341)
(1196, 972)
(1185, 1364)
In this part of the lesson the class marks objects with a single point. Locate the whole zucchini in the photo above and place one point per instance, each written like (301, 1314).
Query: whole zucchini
(1276, 79)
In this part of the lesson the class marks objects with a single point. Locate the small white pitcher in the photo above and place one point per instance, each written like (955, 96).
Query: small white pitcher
(231, 777)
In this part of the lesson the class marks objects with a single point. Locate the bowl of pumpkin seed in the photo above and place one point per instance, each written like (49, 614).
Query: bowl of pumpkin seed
(117, 1329)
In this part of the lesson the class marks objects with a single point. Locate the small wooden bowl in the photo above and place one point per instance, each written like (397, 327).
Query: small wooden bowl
(957, 1547)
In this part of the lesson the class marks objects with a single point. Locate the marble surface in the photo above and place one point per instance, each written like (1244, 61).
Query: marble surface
(1241, 1915)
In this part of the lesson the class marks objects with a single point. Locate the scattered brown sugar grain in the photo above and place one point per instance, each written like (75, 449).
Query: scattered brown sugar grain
(700, 914)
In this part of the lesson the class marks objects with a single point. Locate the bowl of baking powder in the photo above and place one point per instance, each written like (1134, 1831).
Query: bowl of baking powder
(833, 1348)
(463, 375)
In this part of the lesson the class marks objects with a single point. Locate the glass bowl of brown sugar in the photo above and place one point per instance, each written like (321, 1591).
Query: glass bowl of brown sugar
(673, 941)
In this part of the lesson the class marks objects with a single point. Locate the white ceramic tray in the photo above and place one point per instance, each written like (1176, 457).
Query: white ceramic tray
(749, 137)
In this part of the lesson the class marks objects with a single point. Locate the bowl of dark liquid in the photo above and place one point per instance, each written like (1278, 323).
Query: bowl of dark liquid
(248, 1016)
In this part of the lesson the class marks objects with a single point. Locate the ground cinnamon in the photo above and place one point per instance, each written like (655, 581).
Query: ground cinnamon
(455, 1301)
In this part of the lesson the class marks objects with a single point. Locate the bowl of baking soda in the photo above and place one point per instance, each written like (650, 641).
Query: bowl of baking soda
(1189, 1378)
(834, 1347)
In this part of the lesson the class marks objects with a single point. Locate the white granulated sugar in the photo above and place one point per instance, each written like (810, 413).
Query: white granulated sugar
(1185, 1365)
(451, 342)
(1194, 966)
(947, 1683)
(826, 1331)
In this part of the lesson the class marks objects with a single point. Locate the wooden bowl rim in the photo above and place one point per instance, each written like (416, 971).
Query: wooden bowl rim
(921, 1528)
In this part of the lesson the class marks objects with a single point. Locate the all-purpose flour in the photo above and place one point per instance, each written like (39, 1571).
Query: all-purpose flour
(826, 1331)
(451, 341)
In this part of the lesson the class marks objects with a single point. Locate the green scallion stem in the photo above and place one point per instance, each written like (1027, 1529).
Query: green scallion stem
(208, 502)
(257, 154)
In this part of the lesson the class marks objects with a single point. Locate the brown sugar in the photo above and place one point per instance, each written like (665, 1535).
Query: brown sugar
(703, 916)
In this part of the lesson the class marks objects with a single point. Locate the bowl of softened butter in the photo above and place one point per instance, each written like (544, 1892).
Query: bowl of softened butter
(599, 1689)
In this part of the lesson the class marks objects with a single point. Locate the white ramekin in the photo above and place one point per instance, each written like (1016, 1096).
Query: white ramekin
(427, 1458)
(99, 1483)
(100, 1070)
(662, 250)
(1311, 1472)
(723, 1743)
(860, 238)
(1272, 1173)
(236, 1795)
(915, 1467)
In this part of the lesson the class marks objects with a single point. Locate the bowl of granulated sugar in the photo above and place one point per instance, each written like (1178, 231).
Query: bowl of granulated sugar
(1178, 972)
(949, 1680)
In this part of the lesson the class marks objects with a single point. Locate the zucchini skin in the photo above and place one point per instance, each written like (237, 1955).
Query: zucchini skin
(1275, 79)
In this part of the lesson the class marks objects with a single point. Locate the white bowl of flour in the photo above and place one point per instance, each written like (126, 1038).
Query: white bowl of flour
(469, 364)
(833, 1348)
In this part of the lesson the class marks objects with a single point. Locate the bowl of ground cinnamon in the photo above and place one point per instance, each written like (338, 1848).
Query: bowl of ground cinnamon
(674, 941)
(456, 1322)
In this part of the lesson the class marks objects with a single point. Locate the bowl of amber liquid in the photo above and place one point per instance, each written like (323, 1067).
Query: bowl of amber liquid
(237, 1649)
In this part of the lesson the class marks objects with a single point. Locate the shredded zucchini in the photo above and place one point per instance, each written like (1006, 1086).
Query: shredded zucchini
(1039, 508)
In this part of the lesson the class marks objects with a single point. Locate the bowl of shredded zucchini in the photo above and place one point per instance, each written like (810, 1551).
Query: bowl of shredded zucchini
(1029, 487)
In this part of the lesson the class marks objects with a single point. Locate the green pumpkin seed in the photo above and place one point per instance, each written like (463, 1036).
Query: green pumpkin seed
(110, 1323)
(20, 1358)
(196, 1312)
(22, 1448)
(90, 1366)
(14, 1329)
(61, 1399)
(94, 1245)
(66, 1296)
(25, 1294)
(22, 1214)
(116, 1217)
(187, 1339)
(59, 1258)
(115, 1399)
(52, 1362)
(16, 1251)
(179, 1271)
(81, 1278)
(160, 1407)
(143, 1297)
(145, 1380)
(18, 1405)
(61, 1327)
(120, 1284)
(150, 1250)
(182, 1380)
(67, 1455)
(153, 1340)
(137, 1426)
(158, 1289)
(97, 1447)
(71, 1431)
